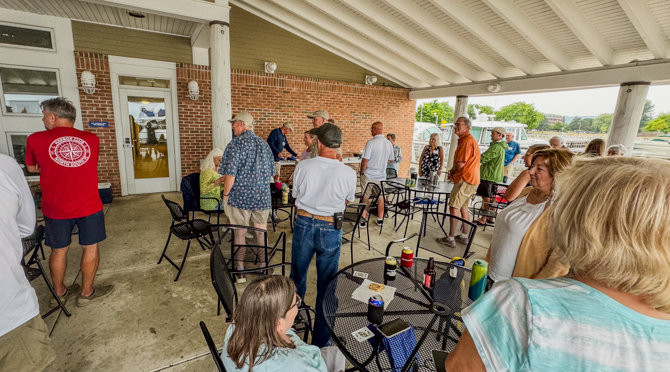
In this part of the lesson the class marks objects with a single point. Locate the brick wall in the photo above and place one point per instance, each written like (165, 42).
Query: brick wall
(271, 99)
(195, 117)
(99, 107)
(274, 99)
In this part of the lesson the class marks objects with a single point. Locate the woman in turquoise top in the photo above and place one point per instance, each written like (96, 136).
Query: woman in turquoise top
(211, 181)
(611, 221)
(262, 328)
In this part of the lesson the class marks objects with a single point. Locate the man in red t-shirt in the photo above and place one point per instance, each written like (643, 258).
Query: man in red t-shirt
(67, 160)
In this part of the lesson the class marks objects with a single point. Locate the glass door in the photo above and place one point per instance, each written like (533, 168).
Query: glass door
(148, 141)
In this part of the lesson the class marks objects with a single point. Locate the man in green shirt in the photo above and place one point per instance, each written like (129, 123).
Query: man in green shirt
(492, 170)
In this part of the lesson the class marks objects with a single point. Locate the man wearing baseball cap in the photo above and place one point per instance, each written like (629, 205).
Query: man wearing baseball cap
(322, 186)
(247, 166)
(319, 117)
(492, 170)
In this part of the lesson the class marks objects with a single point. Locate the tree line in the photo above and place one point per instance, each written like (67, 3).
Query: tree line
(522, 112)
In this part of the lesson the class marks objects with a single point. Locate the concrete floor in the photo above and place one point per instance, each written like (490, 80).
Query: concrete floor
(150, 323)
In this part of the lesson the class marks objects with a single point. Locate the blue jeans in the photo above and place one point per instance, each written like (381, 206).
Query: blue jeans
(312, 236)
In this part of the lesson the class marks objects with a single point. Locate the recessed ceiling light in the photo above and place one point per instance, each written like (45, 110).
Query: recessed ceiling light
(136, 15)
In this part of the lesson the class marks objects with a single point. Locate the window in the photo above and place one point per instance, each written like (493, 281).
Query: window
(144, 82)
(523, 134)
(28, 37)
(23, 89)
(17, 148)
(476, 132)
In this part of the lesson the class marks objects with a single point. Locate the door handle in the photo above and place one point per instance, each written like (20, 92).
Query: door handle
(127, 143)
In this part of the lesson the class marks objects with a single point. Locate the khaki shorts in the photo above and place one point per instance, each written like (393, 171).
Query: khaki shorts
(26, 348)
(461, 194)
(277, 169)
(242, 217)
(508, 169)
(370, 193)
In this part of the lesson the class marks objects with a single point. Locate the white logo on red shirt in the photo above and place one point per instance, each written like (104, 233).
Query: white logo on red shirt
(69, 151)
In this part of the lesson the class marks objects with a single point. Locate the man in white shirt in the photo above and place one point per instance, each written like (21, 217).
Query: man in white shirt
(378, 153)
(322, 187)
(22, 330)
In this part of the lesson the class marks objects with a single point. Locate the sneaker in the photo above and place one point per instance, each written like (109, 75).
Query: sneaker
(380, 222)
(98, 293)
(462, 240)
(362, 223)
(446, 241)
(240, 278)
(70, 291)
(249, 236)
(275, 218)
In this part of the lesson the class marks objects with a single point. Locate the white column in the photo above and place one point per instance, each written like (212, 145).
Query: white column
(460, 109)
(627, 115)
(219, 41)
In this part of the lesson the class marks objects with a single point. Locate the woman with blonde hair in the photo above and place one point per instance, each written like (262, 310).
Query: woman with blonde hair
(513, 221)
(211, 181)
(431, 157)
(311, 151)
(611, 220)
(523, 179)
(261, 339)
(595, 148)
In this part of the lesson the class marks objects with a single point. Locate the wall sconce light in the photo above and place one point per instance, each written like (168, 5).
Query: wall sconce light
(370, 79)
(270, 67)
(88, 82)
(193, 90)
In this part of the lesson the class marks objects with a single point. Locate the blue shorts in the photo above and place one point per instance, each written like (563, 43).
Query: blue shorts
(91, 230)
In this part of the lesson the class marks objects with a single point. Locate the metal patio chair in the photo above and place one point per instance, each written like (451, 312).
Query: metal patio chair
(226, 292)
(186, 229)
(212, 348)
(435, 225)
(190, 193)
(32, 246)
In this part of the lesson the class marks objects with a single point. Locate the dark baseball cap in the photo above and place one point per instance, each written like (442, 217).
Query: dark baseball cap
(330, 135)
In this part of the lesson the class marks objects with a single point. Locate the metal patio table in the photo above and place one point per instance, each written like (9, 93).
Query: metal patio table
(435, 316)
(422, 186)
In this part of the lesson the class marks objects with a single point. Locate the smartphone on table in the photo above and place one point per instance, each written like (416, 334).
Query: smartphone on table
(394, 327)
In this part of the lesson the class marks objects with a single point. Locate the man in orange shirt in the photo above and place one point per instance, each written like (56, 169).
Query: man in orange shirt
(465, 176)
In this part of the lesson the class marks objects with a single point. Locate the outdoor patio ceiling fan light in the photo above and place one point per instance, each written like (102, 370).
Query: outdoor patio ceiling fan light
(193, 90)
(88, 82)
(493, 87)
(270, 67)
(370, 79)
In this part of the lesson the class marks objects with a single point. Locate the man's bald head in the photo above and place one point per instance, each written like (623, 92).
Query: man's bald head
(377, 128)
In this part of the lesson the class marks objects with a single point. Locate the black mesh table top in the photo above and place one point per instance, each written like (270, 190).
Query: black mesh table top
(436, 316)
(423, 186)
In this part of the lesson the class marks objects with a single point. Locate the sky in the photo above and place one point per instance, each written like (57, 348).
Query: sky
(582, 102)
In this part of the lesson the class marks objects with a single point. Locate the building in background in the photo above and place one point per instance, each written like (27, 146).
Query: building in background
(142, 82)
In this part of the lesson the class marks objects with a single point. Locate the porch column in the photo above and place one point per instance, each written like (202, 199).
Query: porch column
(460, 109)
(627, 115)
(219, 42)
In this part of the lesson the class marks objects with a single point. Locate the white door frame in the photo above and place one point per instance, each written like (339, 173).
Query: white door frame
(143, 68)
(147, 185)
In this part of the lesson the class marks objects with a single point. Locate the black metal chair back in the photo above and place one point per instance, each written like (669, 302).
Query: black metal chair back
(353, 214)
(176, 211)
(190, 192)
(222, 281)
(436, 225)
(212, 348)
(32, 245)
(391, 173)
(390, 244)
(402, 205)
